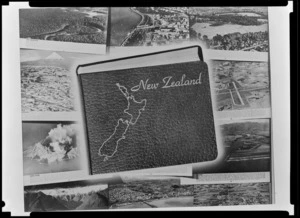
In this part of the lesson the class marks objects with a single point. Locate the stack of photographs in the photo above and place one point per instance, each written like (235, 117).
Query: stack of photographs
(237, 43)
(56, 156)
(52, 40)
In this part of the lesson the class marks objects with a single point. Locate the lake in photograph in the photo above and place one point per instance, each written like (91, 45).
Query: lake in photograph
(211, 31)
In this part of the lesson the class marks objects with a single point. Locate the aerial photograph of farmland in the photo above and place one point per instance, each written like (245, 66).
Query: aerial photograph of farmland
(78, 195)
(80, 25)
(152, 193)
(148, 26)
(50, 147)
(241, 85)
(232, 194)
(247, 146)
(231, 28)
(46, 80)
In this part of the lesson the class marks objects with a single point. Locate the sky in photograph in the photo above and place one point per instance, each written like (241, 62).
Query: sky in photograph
(33, 55)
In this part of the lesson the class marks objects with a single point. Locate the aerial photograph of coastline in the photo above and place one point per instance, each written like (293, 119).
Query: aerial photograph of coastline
(80, 25)
(78, 195)
(241, 85)
(230, 28)
(148, 26)
(151, 193)
(247, 146)
(232, 194)
(46, 80)
(50, 147)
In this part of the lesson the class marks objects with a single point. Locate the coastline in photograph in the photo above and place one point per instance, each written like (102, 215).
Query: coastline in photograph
(232, 194)
(78, 25)
(46, 80)
(148, 26)
(247, 146)
(230, 28)
(78, 195)
(50, 147)
(241, 85)
(154, 193)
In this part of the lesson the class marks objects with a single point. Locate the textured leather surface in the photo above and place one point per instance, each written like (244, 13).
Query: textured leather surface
(176, 127)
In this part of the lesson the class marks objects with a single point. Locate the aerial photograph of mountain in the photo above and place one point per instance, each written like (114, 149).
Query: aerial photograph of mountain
(78, 195)
(80, 25)
(46, 80)
(50, 147)
(230, 28)
(241, 85)
(150, 193)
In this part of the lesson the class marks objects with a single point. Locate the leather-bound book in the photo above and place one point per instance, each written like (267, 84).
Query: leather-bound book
(148, 111)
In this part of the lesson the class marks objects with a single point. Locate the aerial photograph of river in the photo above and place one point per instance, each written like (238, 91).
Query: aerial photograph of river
(123, 21)
(148, 26)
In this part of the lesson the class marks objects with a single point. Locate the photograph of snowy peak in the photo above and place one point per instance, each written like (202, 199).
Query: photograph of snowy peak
(79, 195)
(47, 80)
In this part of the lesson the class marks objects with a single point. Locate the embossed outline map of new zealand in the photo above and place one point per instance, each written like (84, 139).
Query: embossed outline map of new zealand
(134, 110)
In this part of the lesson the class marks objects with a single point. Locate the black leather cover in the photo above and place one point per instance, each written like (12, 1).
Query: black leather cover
(175, 125)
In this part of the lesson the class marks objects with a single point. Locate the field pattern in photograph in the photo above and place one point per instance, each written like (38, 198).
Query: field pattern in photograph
(232, 194)
(80, 25)
(230, 28)
(241, 85)
(150, 194)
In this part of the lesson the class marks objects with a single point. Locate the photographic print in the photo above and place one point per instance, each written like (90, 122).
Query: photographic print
(151, 193)
(50, 147)
(77, 195)
(247, 145)
(231, 28)
(46, 80)
(241, 85)
(232, 194)
(148, 26)
(78, 24)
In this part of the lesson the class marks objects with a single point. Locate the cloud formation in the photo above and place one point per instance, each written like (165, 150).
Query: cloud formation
(59, 145)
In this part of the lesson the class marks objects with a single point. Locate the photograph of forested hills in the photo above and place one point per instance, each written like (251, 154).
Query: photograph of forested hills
(80, 25)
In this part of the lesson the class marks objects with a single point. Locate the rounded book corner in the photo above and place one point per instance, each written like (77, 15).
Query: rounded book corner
(77, 70)
(200, 53)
